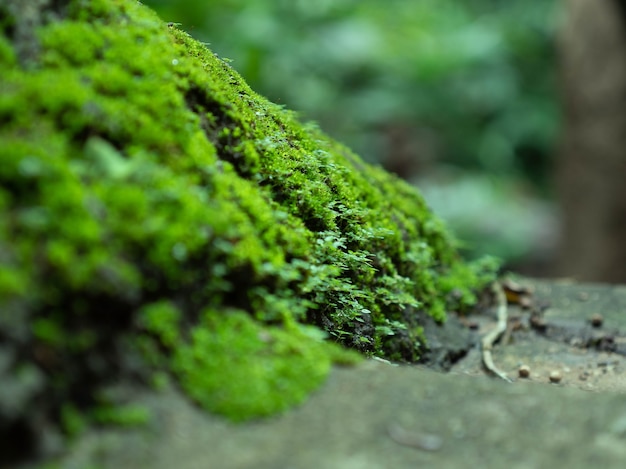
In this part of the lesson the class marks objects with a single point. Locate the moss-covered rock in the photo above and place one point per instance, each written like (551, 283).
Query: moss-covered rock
(155, 210)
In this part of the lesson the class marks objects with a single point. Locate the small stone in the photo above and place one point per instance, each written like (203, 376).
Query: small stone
(555, 377)
(596, 320)
(583, 296)
(526, 302)
(523, 371)
(538, 323)
(515, 287)
(576, 342)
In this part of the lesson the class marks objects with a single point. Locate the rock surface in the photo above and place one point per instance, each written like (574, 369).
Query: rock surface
(377, 415)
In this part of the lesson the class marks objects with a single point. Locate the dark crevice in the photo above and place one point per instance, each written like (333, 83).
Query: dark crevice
(446, 345)
(218, 127)
(621, 5)
(20, 443)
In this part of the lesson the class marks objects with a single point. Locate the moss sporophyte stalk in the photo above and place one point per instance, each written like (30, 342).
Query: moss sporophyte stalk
(151, 202)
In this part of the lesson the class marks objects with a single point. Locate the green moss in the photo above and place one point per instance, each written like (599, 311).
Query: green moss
(7, 56)
(238, 368)
(149, 197)
(163, 320)
(48, 331)
(127, 415)
(72, 421)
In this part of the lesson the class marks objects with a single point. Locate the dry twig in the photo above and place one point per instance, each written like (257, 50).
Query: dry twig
(490, 338)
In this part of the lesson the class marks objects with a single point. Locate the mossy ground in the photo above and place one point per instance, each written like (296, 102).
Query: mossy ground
(149, 200)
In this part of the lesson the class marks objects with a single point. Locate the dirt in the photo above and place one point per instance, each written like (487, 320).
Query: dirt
(377, 415)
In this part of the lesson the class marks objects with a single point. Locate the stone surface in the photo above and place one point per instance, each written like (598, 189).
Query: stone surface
(590, 358)
(346, 425)
(377, 416)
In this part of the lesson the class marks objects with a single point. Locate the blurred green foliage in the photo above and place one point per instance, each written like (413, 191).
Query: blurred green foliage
(471, 79)
(416, 86)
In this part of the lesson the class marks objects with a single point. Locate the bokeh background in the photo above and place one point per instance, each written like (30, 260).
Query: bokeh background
(460, 97)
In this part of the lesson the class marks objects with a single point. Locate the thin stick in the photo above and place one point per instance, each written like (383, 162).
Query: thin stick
(489, 339)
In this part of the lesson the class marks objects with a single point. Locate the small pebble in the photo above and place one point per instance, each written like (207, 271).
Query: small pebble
(537, 322)
(596, 320)
(555, 377)
(583, 296)
(515, 287)
(576, 342)
(523, 371)
(526, 302)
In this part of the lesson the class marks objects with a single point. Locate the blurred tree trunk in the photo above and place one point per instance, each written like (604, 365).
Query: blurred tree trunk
(592, 163)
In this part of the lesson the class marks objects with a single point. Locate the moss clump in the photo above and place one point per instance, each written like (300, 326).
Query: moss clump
(238, 368)
(127, 416)
(149, 200)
